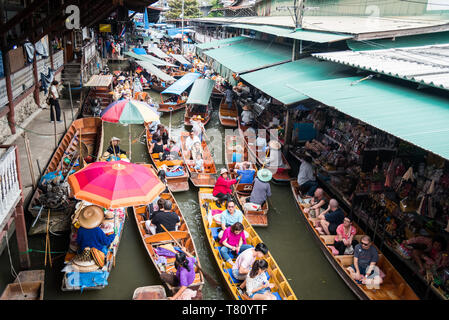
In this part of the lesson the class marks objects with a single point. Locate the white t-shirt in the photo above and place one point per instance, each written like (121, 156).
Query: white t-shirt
(253, 283)
(54, 91)
(247, 116)
(245, 259)
(190, 142)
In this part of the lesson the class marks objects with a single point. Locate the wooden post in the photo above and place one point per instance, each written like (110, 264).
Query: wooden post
(65, 121)
(30, 161)
(52, 108)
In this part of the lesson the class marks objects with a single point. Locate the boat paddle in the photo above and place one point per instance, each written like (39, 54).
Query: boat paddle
(208, 277)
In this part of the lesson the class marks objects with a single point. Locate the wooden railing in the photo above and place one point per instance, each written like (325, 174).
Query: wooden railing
(10, 191)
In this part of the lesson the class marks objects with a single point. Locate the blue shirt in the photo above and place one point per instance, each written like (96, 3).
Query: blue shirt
(236, 157)
(247, 175)
(229, 219)
(95, 238)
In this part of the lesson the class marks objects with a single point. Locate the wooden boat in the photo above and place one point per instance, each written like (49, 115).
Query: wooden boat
(217, 92)
(204, 112)
(174, 183)
(199, 102)
(183, 236)
(228, 117)
(90, 131)
(199, 179)
(29, 285)
(157, 87)
(280, 175)
(100, 87)
(282, 288)
(167, 105)
(178, 73)
(156, 292)
(394, 287)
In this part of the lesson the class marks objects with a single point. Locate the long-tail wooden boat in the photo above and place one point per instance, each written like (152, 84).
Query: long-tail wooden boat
(217, 92)
(257, 218)
(64, 159)
(199, 102)
(29, 285)
(207, 178)
(191, 111)
(394, 287)
(183, 236)
(176, 183)
(282, 288)
(100, 87)
(280, 175)
(228, 116)
(168, 105)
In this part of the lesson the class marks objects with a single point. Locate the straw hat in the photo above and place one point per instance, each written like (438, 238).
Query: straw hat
(91, 217)
(121, 78)
(98, 256)
(246, 107)
(83, 261)
(223, 170)
(264, 175)
(197, 117)
(274, 144)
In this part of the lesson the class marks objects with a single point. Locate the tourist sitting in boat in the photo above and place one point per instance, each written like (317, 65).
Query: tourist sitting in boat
(155, 206)
(316, 204)
(222, 189)
(162, 176)
(158, 146)
(330, 219)
(137, 85)
(165, 217)
(364, 269)
(428, 252)
(244, 170)
(247, 116)
(162, 131)
(199, 163)
(233, 240)
(306, 177)
(152, 126)
(171, 151)
(229, 216)
(245, 260)
(344, 241)
(257, 285)
(89, 233)
(190, 141)
(114, 147)
(261, 190)
(184, 277)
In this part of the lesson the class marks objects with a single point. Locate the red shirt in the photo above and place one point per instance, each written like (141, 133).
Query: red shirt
(223, 185)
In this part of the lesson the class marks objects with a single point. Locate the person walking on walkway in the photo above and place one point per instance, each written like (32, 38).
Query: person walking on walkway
(55, 109)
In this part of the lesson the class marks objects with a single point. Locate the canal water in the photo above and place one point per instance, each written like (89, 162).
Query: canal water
(292, 245)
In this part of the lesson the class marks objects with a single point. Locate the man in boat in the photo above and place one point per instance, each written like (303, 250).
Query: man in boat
(245, 260)
(364, 268)
(197, 126)
(165, 217)
(229, 96)
(316, 204)
(89, 233)
(330, 219)
(114, 147)
(230, 216)
(244, 170)
(247, 115)
(261, 190)
(190, 141)
(222, 189)
(306, 177)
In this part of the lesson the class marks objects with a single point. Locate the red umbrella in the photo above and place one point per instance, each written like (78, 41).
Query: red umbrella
(116, 184)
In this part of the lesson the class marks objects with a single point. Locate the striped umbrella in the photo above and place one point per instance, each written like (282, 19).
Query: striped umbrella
(129, 111)
(115, 184)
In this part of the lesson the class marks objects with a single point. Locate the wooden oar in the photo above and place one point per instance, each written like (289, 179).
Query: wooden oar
(208, 277)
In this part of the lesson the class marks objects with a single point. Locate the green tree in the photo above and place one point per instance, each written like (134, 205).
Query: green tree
(191, 9)
(215, 5)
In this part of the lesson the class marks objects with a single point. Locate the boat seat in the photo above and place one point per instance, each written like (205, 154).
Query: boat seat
(215, 232)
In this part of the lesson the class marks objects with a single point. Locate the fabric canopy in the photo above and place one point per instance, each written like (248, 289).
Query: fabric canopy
(201, 91)
(151, 68)
(182, 84)
(148, 58)
(158, 52)
(180, 59)
(273, 81)
(139, 51)
(414, 116)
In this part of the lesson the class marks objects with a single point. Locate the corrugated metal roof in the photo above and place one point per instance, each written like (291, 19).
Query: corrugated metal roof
(414, 116)
(427, 65)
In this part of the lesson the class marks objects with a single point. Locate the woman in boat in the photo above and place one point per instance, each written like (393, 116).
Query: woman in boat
(428, 252)
(233, 241)
(161, 175)
(222, 189)
(114, 147)
(163, 133)
(184, 277)
(344, 241)
(261, 190)
(257, 285)
(197, 126)
(189, 143)
(245, 260)
(158, 146)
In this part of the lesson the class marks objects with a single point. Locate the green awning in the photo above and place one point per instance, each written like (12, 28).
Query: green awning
(299, 34)
(249, 55)
(274, 80)
(201, 92)
(148, 58)
(414, 116)
(151, 68)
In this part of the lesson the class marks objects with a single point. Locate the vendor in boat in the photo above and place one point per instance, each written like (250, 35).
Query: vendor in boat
(197, 126)
(330, 219)
(261, 190)
(247, 116)
(316, 204)
(114, 147)
(229, 95)
(222, 189)
(89, 233)
(184, 277)
(364, 269)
